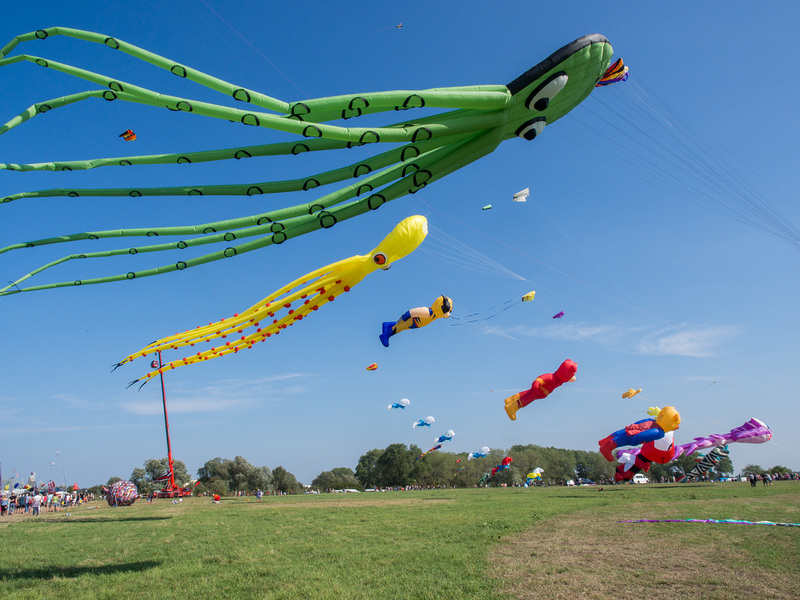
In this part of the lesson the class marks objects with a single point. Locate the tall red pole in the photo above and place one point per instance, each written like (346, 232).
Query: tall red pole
(172, 485)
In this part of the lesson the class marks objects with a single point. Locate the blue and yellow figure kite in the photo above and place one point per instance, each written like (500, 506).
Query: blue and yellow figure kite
(416, 318)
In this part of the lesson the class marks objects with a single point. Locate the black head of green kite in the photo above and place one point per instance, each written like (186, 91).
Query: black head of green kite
(423, 149)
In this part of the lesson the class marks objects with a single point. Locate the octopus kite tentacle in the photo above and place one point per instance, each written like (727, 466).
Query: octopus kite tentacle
(430, 147)
(313, 290)
(753, 431)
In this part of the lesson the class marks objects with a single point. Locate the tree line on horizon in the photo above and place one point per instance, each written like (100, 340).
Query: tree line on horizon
(399, 465)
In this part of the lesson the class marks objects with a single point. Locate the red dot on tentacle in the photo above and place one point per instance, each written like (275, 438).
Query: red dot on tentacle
(347, 288)
(331, 298)
(291, 311)
(315, 307)
(287, 305)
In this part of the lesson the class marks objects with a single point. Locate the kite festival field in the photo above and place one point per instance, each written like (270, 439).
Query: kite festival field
(545, 542)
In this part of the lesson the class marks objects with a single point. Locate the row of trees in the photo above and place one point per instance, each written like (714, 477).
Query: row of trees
(396, 465)
(399, 465)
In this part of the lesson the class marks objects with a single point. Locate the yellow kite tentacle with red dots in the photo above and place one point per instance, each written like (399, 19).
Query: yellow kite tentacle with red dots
(298, 299)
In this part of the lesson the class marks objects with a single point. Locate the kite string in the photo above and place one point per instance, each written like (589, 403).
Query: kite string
(759, 383)
(256, 50)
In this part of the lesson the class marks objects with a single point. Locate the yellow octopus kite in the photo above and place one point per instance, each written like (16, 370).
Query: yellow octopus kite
(314, 290)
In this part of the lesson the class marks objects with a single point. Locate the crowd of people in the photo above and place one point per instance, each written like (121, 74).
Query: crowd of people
(35, 503)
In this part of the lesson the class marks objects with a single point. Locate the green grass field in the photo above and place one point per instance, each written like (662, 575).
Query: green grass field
(553, 542)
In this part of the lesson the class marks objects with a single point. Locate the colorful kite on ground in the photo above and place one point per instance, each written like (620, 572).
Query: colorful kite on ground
(309, 292)
(402, 404)
(631, 393)
(426, 422)
(541, 388)
(122, 493)
(448, 129)
(416, 318)
(718, 521)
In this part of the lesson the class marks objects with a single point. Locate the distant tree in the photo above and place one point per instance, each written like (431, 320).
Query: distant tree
(238, 474)
(367, 468)
(723, 468)
(396, 464)
(325, 481)
(217, 486)
(780, 469)
(112, 480)
(752, 469)
(284, 481)
(97, 490)
(155, 468)
(138, 478)
(213, 468)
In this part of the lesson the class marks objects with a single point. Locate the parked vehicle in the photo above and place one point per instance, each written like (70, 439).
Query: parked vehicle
(639, 478)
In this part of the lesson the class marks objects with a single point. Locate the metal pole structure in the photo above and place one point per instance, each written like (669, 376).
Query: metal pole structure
(172, 486)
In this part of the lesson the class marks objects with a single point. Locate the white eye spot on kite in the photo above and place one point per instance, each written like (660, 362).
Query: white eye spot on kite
(530, 129)
(549, 88)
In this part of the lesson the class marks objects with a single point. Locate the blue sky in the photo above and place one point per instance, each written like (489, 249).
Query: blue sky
(660, 290)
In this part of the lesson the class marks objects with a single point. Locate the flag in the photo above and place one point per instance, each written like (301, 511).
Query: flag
(165, 477)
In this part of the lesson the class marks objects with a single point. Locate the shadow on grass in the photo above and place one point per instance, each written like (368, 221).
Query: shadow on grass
(44, 573)
(66, 519)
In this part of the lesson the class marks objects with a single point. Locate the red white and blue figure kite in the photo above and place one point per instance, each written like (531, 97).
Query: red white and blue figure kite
(641, 432)
(634, 460)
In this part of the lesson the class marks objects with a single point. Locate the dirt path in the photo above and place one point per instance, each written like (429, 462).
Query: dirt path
(591, 556)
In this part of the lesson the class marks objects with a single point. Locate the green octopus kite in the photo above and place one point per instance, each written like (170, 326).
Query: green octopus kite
(425, 149)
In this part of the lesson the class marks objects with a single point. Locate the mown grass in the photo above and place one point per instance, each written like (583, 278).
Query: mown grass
(473, 543)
